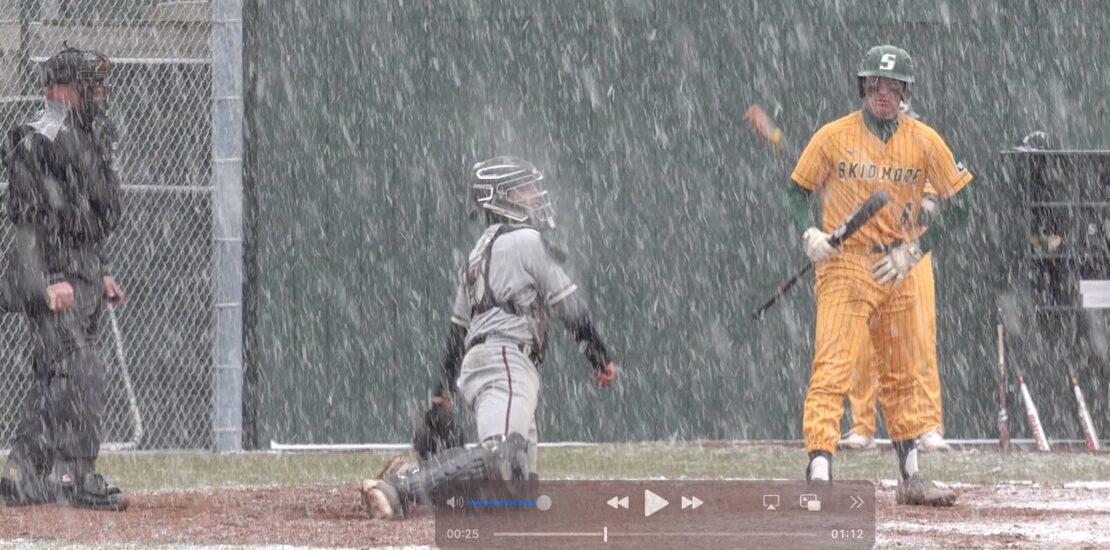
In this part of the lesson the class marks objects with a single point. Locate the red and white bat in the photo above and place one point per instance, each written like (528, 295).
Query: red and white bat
(1034, 416)
(764, 126)
(1085, 416)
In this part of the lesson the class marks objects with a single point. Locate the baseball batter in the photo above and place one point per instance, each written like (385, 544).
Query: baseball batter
(866, 295)
(864, 385)
(512, 283)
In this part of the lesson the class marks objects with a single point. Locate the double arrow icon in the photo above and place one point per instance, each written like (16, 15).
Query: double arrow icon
(856, 502)
(692, 503)
(618, 503)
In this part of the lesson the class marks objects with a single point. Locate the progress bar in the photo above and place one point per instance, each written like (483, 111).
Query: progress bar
(501, 502)
(605, 534)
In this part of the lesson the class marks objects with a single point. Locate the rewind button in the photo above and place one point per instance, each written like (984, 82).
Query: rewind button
(618, 503)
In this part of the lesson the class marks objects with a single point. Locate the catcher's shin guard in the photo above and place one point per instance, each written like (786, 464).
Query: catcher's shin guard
(21, 484)
(496, 458)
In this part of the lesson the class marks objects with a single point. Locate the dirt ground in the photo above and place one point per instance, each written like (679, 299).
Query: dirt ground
(1019, 515)
(1023, 515)
(327, 516)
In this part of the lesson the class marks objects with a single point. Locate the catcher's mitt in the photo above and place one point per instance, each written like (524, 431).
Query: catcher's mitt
(438, 432)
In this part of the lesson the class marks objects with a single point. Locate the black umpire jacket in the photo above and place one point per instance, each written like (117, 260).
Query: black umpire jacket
(63, 201)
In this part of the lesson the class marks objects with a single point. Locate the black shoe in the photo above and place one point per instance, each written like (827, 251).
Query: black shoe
(92, 491)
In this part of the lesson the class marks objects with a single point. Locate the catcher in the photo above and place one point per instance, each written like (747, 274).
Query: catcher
(511, 284)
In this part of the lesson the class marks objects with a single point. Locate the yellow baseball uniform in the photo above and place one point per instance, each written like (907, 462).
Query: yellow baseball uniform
(845, 162)
(865, 379)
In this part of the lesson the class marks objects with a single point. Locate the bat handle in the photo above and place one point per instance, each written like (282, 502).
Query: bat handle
(782, 290)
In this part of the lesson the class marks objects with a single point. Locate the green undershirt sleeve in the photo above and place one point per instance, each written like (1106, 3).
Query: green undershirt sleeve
(802, 206)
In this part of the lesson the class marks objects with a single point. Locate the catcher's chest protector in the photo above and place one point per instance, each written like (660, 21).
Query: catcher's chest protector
(477, 279)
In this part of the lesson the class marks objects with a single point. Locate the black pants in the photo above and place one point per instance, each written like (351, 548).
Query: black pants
(61, 411)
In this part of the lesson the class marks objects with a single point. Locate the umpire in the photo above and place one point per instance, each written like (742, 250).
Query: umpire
(63, 203)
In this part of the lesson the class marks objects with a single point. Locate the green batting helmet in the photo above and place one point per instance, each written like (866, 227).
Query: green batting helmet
(888, 62)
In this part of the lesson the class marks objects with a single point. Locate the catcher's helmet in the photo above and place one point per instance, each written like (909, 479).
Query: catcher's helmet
(508, 189)
(886, 62)
(1038, 141)
(88, 68)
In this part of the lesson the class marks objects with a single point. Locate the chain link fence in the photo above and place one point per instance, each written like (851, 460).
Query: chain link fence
(159, 353)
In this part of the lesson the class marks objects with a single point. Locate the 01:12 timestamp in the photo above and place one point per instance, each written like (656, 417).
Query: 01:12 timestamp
(846, 533)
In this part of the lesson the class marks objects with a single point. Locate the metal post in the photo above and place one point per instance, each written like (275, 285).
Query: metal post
(28, 75)
(227, 223)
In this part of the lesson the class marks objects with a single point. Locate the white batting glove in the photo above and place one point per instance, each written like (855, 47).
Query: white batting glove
(897, 263)
(816, 244)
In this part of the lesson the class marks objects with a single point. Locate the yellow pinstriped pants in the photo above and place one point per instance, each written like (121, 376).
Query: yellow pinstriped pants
(865, 380)
(854, 314)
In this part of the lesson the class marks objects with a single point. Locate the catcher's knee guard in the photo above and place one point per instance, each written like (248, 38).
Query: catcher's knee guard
(499, 458)
(507, 457)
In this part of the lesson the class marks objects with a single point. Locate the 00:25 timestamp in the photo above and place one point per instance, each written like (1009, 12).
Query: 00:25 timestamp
(464, 534)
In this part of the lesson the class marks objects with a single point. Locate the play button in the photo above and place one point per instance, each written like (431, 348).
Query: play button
(653, 503)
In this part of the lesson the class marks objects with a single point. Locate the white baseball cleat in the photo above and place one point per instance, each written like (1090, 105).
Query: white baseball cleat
(857, 441)
(932, 441)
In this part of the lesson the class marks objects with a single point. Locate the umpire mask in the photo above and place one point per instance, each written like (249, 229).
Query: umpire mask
(89, 69)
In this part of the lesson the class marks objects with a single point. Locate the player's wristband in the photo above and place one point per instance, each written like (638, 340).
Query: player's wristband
(925, 243)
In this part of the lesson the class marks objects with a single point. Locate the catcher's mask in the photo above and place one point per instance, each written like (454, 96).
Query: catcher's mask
(508, 190)
(1038, 141)
(89, 69)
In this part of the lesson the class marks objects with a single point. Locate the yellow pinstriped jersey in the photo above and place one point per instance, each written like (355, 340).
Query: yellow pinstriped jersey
(846, 163)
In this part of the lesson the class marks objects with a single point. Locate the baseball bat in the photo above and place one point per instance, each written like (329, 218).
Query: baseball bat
(765, 126)
(1003, 417)
(1084, 415)
(125, 372)
(874, 203)
(1032, 414)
